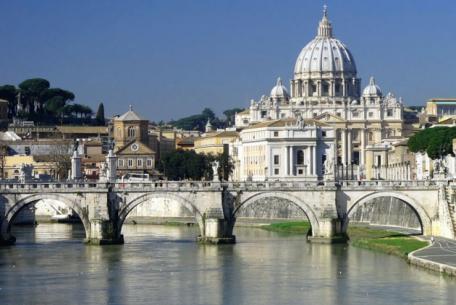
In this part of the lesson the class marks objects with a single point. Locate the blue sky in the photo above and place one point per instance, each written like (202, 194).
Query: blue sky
(173, 58)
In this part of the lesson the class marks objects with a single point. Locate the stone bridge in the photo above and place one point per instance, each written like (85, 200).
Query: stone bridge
(103, 207)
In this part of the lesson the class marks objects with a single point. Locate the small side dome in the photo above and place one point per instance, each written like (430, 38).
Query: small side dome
(354, 102)
(372, 90)
(279, 91)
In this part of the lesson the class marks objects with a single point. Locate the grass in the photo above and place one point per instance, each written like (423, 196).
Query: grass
(292, 227)
(385, 241)
(388, 242)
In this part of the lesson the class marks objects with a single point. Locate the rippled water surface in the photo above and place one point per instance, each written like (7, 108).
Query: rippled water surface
(164, 265)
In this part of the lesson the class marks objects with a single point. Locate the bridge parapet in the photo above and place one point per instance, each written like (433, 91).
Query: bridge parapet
(278, 185)
(386, 184)
(56, 187)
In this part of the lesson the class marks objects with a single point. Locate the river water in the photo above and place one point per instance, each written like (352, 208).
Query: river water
(164, 265)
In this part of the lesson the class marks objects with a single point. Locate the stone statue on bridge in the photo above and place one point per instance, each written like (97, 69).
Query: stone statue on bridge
(215, 166)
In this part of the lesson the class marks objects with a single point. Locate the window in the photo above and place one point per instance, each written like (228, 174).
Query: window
(245, 121)
(276, 171)
(355, 114)
(300, 171)
(337, 89)
(389, 112)
(323, 133)
(300, 157)
(149, 162)
(325, 88)
(371, 136)
(131, 132)
(339, 114)
(276, 133)
(139, 162)
(276, 159)
(130, 162)
(27, 150)
(121, 163)
(371, 114)
(264, 113)
(315, 114)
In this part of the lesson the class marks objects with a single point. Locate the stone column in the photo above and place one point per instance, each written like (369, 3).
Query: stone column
(363, 146)
(349, 146)
(286, 166)
(76, 173)
(290, 160)
(111, 161)
(344, 146)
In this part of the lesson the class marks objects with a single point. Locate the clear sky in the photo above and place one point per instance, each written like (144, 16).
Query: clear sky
(171, 58)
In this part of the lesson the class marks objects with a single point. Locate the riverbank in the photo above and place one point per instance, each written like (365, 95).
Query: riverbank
(385, 241)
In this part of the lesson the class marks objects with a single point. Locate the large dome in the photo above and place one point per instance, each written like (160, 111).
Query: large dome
(325, 54)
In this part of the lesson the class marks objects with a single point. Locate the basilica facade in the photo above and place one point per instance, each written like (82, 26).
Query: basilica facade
(326, 88)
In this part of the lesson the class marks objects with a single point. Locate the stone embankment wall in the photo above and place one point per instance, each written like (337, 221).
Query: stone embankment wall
(386, 211)
(269, 210)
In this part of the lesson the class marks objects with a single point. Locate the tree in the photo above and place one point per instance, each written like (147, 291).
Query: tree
(9, 93)
(230, 114)
(60, 156)
(436, 142)
(100, 117)
(57, 92)
(195, 122)
(180, 164)
(31, 91)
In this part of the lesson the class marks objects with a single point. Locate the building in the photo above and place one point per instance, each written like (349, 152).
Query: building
(44, 167)
(440, 108)
(132, 147)
(326, 88)
(284, 149)
(212, 143)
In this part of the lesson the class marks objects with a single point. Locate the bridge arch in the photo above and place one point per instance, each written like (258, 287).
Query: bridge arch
(186, 203)
(301, 204)
(423, 217)
(14, 209)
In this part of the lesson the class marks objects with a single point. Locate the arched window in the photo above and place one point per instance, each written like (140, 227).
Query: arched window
(300, 157)
(131, 132)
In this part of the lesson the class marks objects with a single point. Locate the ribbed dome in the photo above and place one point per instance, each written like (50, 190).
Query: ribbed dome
(372, 90)
(279, 91)
(325, 53)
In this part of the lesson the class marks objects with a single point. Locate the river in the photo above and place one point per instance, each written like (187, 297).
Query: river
(164, 265)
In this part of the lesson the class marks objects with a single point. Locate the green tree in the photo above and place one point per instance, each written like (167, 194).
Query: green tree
(9, 93)
(180, 164)
(31, 91)
(436, 142)
(230, 114)
(195, 122)
(100, 116)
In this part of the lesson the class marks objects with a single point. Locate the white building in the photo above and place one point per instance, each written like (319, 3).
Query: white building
(325, 87)
(284, 149)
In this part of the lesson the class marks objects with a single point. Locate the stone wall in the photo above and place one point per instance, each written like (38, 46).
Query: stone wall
(386, 211)
(271, 208)
(152, 210)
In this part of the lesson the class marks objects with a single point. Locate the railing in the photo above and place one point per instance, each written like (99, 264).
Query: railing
(210, 185)
(391, 183)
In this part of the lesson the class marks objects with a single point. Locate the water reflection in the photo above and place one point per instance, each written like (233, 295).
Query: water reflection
(164, 265)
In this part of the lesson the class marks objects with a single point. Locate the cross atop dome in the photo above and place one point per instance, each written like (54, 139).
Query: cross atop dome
(325, 10)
